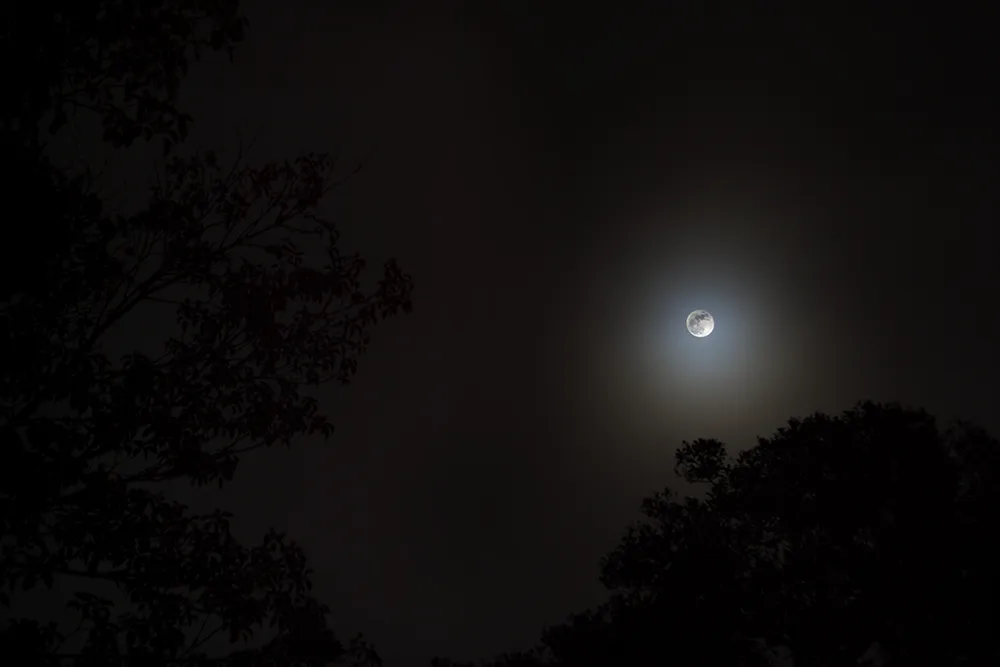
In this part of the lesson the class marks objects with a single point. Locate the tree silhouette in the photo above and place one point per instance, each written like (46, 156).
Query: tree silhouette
(84, 432)
(122, 60)
(264, 305)
(839, 538)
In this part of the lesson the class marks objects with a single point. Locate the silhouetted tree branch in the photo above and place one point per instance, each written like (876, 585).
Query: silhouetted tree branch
(122, 61)
(839, 540)
(258, 303)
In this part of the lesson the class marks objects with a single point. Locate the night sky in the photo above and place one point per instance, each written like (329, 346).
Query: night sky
(565, 188)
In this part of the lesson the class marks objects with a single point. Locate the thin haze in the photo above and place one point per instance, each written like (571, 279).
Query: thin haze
(564, 190)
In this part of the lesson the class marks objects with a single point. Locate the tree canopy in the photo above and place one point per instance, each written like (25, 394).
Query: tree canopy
(839, 538)
(265, 304)
(122, 60)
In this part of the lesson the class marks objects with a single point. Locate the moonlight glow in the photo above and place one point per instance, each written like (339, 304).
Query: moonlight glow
(700, 323)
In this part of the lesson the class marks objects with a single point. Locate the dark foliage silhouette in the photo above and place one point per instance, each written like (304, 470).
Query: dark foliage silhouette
(122, 60)
(84, 432)
(255, 302)
(866, 535)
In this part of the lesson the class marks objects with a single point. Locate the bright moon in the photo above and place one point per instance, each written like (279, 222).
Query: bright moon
(700, 323)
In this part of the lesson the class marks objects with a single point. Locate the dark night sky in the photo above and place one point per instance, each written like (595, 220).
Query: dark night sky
(565, 189)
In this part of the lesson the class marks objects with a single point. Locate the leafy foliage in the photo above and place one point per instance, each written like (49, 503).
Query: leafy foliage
(120, 59)
(229, 252)
(839, 538)
(254, 303)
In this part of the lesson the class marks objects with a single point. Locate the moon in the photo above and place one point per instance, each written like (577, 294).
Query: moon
(700, 323)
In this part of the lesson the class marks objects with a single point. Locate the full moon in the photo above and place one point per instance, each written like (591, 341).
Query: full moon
(700, 323)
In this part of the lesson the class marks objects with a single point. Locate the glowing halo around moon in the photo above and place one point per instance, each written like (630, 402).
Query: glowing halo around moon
(700, 323)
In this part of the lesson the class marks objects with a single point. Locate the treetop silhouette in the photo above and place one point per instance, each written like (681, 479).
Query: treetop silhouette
(265, 304)
(838, 538)
(122, 60)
